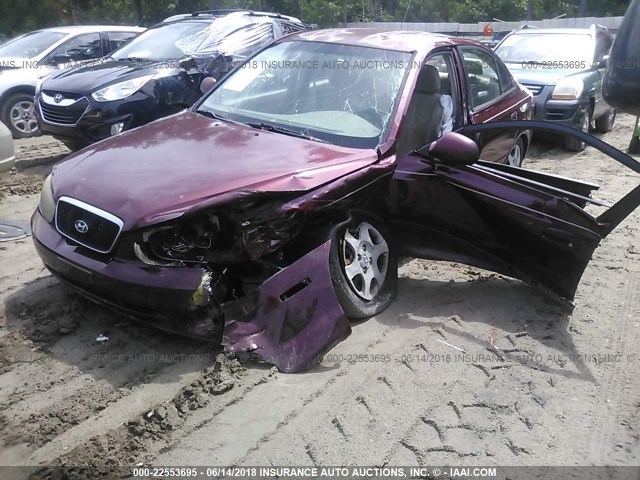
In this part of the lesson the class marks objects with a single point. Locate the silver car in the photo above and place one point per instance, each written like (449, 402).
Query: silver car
(27, 60)
(7, 155)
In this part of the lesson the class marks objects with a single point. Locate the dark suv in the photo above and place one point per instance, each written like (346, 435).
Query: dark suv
(157, 74)
(563, 68)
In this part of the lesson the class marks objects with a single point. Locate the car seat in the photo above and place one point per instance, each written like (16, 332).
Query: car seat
(446, 100)
(423, 120)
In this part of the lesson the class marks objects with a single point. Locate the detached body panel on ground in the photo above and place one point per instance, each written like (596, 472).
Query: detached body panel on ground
(279, 205)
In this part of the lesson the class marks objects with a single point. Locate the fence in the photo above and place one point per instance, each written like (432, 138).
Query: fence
(478, 29)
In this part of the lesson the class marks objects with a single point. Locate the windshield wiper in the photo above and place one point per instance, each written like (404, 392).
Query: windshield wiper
(260, 126)
(135, 59)
(217, 116)
(283, 130)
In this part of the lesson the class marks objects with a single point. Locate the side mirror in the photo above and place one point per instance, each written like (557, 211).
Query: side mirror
(452, 149)
(61, 59)
(603, 61)
(207, 84)
(187, 64)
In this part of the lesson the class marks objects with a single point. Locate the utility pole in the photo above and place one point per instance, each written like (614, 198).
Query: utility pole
(377, 16)
(72, 17)
(582, 9)
(138, 7)
(530, 10)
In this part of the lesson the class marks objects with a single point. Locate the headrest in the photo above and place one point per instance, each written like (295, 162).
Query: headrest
(473, 68)
(428, 80)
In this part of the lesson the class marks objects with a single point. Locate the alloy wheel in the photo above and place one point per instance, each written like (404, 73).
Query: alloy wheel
(515, 155)
(365, 259)
(23, 117)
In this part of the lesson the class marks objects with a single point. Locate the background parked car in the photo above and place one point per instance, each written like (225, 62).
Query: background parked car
(563, 68)
(33, 56)
(157, 74)
(7, 153)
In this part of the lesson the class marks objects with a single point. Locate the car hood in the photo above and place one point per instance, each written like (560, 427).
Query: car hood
(157, 172)
(94, 75)
(539, 76)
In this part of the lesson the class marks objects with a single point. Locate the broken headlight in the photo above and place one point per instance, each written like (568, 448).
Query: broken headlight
(186, 241)
(227, 238)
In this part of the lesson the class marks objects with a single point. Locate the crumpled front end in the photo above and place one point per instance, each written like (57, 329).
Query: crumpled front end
(243, 293)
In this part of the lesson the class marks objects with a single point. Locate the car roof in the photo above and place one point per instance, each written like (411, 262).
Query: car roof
(400, 40)
(93, 28)
(547, 31)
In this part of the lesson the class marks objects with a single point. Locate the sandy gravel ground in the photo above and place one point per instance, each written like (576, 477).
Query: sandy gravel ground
(558, 390)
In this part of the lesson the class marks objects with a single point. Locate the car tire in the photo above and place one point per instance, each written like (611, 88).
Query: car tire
(516, 154)
(19, 115)
(604, 124)
(574, 144)
(634, 146)
(369, 286)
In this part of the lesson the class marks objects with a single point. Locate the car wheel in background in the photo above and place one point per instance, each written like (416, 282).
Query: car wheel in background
(574, 144)
(604, 124)
(19, 115)
(516, 154)
(364, 267)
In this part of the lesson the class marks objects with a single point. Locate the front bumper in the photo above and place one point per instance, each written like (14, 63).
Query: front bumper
(161, 296)
(291, 320)
(564, 112)
(94, 122)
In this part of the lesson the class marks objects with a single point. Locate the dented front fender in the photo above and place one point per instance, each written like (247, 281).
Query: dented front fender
(293, 319)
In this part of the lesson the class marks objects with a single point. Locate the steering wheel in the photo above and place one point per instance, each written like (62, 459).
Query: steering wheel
(373, 116)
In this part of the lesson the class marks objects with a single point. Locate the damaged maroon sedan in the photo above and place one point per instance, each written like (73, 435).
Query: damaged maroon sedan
(279, 205)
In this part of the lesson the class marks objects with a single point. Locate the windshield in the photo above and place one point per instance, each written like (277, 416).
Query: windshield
(239, 35)
(30, 44)
(341, 94)
(570, 49)
(160, 43)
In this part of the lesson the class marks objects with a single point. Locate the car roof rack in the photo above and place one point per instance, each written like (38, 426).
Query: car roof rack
(222, 12)
(235, 10)
(216, 12)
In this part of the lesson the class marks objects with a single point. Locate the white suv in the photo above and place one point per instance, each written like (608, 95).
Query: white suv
(31, 57)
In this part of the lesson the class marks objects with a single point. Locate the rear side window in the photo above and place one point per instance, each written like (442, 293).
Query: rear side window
(484, 78)
(117, 39)
(83, 47)
(506, 80)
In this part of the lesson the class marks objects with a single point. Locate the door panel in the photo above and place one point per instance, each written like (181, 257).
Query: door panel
(478, 217)
(604, 42)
